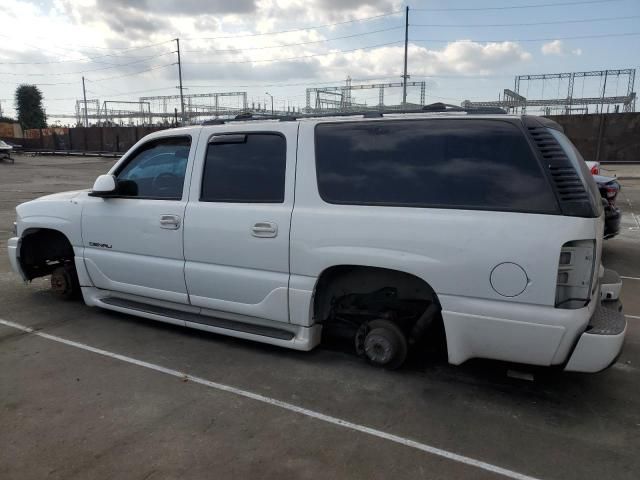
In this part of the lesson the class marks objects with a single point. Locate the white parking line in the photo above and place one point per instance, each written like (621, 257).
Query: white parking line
(630, 278)
(636, 317)
(278, 403)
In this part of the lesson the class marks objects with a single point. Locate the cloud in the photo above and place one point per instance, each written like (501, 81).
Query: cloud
(557, 47)
(84, 37)
(350, 5)
(183, 7)
(460, 57)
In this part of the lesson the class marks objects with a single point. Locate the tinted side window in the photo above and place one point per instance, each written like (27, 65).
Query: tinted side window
(449, 163)
(156, 170)
(250, 169)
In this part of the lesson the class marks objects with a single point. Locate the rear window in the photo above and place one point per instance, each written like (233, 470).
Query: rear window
(448, 163)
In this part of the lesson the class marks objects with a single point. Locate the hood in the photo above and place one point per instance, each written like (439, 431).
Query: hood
(47, 204)
(60, 196)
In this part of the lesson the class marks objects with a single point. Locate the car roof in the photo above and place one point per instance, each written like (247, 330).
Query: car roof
(370, 116)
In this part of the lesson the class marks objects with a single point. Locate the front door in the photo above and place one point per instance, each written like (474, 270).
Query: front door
(237, 221)
(133, 242)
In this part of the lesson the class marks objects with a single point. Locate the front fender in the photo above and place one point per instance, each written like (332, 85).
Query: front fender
(63, 215)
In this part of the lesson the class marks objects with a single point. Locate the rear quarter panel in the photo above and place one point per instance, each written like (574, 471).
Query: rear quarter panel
(453, 250)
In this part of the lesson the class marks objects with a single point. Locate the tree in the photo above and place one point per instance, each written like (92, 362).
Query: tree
(29, 107)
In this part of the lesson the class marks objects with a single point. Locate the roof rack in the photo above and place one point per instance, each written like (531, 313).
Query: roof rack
(433, 107)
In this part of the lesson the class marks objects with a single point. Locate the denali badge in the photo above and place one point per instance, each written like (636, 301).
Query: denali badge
(99, 245)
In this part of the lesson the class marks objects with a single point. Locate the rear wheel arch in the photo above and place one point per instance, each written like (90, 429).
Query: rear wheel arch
(363, 277)
(353, 299)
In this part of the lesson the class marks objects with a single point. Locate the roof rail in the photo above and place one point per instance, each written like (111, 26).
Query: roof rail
(486, 110)
(442, 107)
(445, 107)
(433, 107)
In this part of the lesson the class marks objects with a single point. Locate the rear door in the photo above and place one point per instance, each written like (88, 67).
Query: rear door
(237, 221)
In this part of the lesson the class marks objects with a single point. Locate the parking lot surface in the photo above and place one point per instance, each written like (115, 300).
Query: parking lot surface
(86, 393)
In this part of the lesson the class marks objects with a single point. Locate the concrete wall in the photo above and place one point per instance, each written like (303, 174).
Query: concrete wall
(620, 135)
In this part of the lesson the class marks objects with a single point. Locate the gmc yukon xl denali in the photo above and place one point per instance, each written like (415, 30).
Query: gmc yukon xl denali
(479, 231)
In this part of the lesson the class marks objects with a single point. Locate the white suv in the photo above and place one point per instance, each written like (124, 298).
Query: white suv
(482, 231)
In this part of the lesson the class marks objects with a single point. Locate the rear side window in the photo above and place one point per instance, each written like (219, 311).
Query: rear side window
(248, 168)
(448, 163)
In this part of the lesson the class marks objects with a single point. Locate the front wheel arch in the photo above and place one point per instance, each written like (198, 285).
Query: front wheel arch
(42, 250)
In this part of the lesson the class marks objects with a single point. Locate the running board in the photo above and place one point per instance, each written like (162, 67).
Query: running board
(249, 328)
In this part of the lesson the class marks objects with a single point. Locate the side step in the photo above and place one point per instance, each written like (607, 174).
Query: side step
(607, 319)
(253, 329)
(610, 285)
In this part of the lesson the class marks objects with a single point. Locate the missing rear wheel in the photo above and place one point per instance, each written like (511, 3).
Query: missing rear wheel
(384, 344)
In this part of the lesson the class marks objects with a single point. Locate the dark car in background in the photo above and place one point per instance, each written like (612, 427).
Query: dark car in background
(609, 188)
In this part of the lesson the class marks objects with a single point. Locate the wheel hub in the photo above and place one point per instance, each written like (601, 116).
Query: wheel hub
(379, 349)
(59, 282)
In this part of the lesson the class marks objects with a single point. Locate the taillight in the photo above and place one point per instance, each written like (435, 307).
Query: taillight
(611, 192)
(575, 274)
(595, 170)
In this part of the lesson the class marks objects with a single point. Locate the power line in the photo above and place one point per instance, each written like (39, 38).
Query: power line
(78, 60)
(272, 85)
(365, 19)
(130, 74)
(119, 49)
(512, 7)
(558, 22)
(51, 84)
(133, 92)
(84, 71)
(295, 58)
(577, 37)
(295, 44)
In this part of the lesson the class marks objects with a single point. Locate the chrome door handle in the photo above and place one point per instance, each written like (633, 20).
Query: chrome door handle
(264, 230)
(170, 222)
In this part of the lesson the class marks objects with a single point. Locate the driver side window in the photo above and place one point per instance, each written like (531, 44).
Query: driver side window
(156, 170)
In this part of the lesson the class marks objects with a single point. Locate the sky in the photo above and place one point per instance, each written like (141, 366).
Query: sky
(462, 49)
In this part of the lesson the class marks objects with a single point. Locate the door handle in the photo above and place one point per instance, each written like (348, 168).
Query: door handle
(170, 222)
(264, 230)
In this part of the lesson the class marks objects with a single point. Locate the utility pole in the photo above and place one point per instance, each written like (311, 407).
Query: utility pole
(267, 93)
(180, 78)
(406, 46)
(601, 126)
(86, 115)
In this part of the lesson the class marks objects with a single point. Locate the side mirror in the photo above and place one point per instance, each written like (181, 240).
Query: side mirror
(104, 186)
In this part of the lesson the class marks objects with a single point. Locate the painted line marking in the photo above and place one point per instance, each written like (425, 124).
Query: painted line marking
(633, 316)
(624, 367)
(284, 405)
(630, 278)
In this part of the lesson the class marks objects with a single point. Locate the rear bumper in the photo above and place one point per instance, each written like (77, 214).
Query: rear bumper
(601, 343)
(13, 248)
